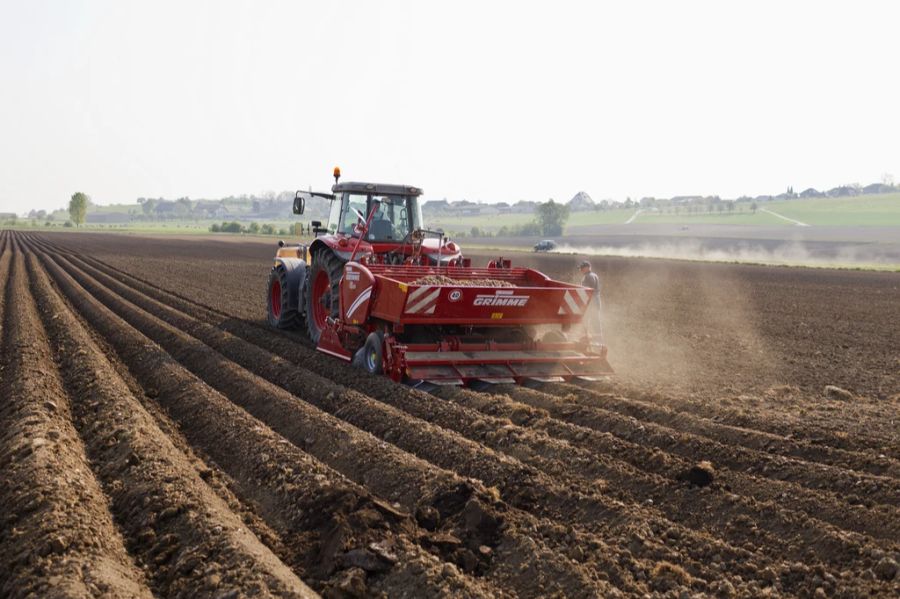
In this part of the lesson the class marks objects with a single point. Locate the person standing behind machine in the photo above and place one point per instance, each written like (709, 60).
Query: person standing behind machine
(592, 311)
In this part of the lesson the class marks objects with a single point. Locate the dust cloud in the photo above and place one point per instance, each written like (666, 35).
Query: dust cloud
(786, 254)
(681, 328)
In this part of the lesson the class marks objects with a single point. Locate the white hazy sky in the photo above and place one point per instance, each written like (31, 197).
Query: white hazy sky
(478, 100)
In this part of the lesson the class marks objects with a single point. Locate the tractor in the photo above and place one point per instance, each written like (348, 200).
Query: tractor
(378, 289)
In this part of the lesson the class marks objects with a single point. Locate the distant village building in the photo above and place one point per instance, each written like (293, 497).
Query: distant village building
(108, 217)
(843, 191)
(811, 193)
(878, 188)
(581, 201)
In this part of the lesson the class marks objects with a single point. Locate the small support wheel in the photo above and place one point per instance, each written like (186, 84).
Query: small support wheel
(372, 359)
(554, 337)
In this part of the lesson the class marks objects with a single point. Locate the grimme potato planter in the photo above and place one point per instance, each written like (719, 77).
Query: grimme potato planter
(378, 289)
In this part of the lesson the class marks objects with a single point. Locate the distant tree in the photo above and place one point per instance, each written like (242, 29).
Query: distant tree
(78, 206)
(753, 207)
(267, 229)
(149, 206)
(475, 232)
(68, 223)
(253, 228)
(232, 227)
(552, 217)
(215, 228)
(182, 207)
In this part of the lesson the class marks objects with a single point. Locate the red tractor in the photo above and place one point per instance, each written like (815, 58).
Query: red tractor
(378, 289)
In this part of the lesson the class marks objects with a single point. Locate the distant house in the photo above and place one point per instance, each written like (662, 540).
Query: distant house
(811, 193)
(843, 191)
(680, 200)
(580, 202)
(524, 207)
(763, 199)
(878, 188)
(436, 207)
(107, 217)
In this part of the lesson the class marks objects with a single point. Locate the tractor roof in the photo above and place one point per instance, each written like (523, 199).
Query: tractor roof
(379, 188)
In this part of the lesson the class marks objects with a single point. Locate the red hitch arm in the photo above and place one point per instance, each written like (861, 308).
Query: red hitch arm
(365, 229)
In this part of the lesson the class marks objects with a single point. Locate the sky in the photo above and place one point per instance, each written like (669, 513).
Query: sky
(484, 101)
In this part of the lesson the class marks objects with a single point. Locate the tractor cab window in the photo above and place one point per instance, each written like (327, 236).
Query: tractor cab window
(392, 218)
(352, 205)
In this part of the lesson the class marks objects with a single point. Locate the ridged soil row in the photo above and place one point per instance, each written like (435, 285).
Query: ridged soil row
(57, 536)
(463, 519)
(857, 487)
(745, 491)
(764, 526)
(784, 420)
(731, 435)
(185, 536)
(510, 478)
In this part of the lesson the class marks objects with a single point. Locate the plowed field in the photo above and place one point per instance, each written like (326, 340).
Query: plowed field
(159, 440)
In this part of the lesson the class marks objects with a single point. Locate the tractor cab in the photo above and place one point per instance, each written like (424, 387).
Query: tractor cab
(378, 223)
(396, 213)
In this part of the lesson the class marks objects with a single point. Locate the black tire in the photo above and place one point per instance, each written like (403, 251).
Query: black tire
(372, 359)
(324, 261)
(281, 314)
(554, 337)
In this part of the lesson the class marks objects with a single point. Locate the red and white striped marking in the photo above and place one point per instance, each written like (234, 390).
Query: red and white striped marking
(574, 301)
(422, 300)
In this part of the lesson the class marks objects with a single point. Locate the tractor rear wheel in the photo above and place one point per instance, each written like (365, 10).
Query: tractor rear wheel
(322, 291)
(282, 314)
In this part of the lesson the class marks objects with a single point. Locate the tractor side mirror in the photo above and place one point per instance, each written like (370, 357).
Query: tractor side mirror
(299, 203)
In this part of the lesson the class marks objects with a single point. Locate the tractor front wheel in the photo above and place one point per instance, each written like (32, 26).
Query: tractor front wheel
(281, 314)
(322, 291)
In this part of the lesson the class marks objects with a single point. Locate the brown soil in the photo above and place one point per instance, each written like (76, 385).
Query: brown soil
(208, 454)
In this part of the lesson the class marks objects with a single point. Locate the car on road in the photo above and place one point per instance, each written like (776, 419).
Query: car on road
(545, 245)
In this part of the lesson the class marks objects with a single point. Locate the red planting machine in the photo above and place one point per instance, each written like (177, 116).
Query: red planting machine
(377, 289)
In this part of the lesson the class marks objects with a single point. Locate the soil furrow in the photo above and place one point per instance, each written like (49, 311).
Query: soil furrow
(280, 372)
(522, 563)
(858, 487)
(880, 521)
(57, 536)
(732, 435)
(184, 534)
(773, 411)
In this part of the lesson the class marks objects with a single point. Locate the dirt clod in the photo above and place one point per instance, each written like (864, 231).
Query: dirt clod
(886, 569)
(701, 474)
(837, 393)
